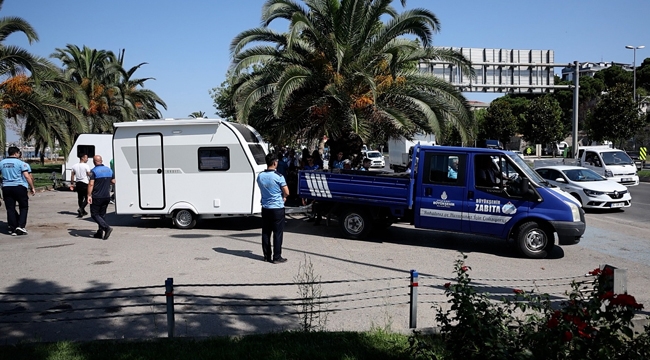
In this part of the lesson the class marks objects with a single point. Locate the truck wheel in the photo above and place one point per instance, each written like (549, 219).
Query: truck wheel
(533, 241)
(355, 224)
(184, 219)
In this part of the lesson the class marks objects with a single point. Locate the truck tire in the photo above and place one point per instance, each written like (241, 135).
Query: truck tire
(533, 240)
(184, 219)
(355, 223)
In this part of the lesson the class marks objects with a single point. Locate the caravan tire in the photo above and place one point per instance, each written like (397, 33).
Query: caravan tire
(184, 219)
(355, 223)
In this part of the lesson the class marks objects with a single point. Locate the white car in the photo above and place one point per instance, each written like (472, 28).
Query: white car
(376, 158)
(591, 189)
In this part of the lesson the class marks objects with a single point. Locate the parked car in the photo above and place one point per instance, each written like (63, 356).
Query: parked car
(590, 188)
(377, 159)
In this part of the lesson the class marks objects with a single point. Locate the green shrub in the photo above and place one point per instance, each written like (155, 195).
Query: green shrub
(595, 323)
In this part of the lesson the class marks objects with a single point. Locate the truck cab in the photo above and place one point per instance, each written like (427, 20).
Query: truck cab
(493, 193)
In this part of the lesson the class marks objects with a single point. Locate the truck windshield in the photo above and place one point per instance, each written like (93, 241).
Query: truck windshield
(616, 158)
(531, 174)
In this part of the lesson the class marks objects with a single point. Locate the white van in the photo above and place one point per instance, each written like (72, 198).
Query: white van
(613, 164)
(91, 145)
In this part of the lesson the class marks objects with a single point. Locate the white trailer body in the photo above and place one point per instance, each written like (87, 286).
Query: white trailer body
(187, 169)
(399, 150)
(91, 145)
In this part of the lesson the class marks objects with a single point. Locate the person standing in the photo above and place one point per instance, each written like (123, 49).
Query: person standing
(79, 183)
(99, 196)
(16, 180)
(274, 194)
(338, 162)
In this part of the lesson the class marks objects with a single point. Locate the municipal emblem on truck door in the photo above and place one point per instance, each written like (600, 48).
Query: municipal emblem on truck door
(509, 209)
(443, 202)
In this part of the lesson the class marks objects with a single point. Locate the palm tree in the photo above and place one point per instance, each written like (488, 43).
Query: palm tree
(114, 96)
(341, 71)
(197, 115)
(32, 91)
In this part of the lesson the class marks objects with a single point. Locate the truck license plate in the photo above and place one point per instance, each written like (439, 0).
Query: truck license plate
(617, 205)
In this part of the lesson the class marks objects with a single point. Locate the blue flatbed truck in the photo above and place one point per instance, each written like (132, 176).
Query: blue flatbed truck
(521, 206)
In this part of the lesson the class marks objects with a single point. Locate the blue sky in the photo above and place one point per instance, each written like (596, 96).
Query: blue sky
(186, 43)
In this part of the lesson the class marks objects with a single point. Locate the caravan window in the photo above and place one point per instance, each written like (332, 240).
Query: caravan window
(248, 135)
(258, 153)
(86, 149)
(214, 159)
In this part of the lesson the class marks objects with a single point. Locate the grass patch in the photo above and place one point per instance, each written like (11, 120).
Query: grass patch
(644, 173)
(42, 173)
(376, 344)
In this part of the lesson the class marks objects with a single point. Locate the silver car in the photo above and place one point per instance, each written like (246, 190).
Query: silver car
(591, 189)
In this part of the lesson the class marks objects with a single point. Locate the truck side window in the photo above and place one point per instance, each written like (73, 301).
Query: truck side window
(214, 159)
(593, 159)
(446, 169)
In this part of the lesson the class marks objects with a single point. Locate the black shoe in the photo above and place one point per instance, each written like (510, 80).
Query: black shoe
(280, 260)
(108, 233)
(84, 213)
(80, 214)
(99, 235)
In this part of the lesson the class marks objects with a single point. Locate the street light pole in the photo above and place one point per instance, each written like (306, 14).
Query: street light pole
(634, 67)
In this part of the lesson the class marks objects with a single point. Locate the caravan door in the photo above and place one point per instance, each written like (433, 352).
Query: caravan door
(151, 171)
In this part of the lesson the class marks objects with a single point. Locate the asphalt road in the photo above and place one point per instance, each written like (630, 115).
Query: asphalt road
(59, 255)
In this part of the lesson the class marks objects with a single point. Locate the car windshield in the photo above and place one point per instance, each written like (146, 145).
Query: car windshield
(372, 154)
(530, 173)
(580, 175)
(616, 158)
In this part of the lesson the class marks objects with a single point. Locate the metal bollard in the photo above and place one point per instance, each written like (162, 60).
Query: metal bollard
(169, 294)
(413, 318)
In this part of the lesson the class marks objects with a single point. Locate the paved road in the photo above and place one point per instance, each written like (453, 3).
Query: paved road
(59, 255)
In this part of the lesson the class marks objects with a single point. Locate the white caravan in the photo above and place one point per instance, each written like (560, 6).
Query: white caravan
(91, 145)
(187, 169)
(399, 150)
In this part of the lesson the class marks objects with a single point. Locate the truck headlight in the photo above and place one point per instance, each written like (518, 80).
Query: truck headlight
(593, 193)
(575, 211)
(608, 173)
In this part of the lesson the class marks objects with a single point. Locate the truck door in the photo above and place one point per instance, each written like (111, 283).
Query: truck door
(495, 199)
(151, 171)
(441, 191)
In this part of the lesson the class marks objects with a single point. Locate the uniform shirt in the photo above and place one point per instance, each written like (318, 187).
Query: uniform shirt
(12, 172)
(311, 167)
(271, 183)
(81, 171)
(102, 175)
(337, 164)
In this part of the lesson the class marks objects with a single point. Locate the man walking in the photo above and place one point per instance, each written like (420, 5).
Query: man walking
(79, 183)
(99, 196)
(274, 194)
(16, 180)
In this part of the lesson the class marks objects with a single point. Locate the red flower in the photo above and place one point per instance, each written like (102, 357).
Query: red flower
(607, 271)
(552, 323)
(625, 300)
(584, 334)
(595, 272)
(557, 314)
(517, 291)
(567, 336)
(464, 268)
(447, 285)
(608, 295)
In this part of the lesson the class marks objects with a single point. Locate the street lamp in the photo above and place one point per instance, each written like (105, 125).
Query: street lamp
(634, 67)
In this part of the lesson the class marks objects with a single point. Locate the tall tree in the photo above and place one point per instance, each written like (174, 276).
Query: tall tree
(343, 69)
(197, 115)
(616, 117)
(499, 122)
(34, 93)
(543, 124)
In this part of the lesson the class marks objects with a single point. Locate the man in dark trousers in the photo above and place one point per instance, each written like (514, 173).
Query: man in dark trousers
(79, 183)
(16, 180)
(99, 196)
(274, 194)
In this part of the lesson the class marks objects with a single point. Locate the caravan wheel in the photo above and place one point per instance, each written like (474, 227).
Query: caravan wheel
(184, 219)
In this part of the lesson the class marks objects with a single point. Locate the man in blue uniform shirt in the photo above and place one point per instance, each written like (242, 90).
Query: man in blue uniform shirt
(16, 179)
(99, 195)
(274, 193)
